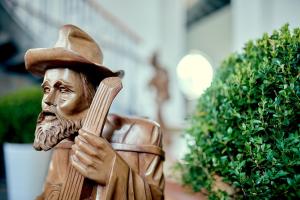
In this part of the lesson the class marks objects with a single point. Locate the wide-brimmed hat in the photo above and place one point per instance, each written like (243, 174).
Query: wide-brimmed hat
(74, 49)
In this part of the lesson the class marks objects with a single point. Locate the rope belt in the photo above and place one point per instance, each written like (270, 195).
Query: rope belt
(139, 148)
(123, 147)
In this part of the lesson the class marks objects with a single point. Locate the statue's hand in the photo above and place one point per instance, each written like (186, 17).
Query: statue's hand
(93, 157)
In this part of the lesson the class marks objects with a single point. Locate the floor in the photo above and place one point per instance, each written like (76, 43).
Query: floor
(174, 191)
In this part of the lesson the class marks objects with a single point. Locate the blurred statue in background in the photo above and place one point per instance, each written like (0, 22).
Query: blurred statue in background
(160, 82)
(96, 155)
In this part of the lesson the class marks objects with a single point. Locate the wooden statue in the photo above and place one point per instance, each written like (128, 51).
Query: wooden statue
(96, 155)
(160, 82)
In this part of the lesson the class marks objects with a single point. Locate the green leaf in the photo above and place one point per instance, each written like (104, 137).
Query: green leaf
(250, 132)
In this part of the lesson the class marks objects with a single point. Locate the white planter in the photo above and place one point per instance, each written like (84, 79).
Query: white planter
(26, 170)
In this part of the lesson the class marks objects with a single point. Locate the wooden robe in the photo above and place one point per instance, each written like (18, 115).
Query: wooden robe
(137, 172)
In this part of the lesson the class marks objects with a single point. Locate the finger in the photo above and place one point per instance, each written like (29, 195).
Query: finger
(86, 171)
(81, 138)
(84, 158)
(81, 144)
(87, 148)
(80, 167)
(93, 139)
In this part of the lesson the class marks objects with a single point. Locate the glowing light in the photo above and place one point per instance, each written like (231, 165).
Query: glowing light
(195, 74)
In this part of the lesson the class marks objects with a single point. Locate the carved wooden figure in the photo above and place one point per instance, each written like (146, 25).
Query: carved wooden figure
(160, 82)
(96, 155)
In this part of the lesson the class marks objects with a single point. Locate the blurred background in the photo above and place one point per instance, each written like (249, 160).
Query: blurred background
(169, 50)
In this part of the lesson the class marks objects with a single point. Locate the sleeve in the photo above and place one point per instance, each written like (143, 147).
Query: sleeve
(137, 172)
(125, 183)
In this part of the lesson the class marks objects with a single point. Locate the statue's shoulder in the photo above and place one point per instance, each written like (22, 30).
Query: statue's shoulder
(135, 130)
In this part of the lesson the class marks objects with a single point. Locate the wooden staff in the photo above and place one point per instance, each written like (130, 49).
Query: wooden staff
(93, 123)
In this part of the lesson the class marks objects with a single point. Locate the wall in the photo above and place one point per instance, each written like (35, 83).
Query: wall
(230, 28)
(252, 18)
(161, 25)
(212, 35)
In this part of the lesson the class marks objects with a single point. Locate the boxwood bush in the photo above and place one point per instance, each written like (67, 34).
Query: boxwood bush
(246, 125)
(18, 115)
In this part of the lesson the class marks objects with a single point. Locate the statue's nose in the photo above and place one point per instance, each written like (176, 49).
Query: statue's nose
(50, 98)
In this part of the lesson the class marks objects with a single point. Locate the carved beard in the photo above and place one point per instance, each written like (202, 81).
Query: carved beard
(48, 133)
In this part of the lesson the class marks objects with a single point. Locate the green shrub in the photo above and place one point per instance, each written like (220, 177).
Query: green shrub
(246, 127)
(18, 115)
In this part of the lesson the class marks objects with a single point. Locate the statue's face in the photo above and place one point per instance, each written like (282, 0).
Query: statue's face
(64, 107)
(63, 89)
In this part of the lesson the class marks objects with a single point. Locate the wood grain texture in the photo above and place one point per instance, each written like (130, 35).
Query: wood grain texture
(94, 123)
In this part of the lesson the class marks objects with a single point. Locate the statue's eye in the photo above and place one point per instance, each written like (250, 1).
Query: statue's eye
(64, 89)
(46, 89)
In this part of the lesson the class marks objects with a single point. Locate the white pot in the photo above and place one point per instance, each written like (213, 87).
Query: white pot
(26, 170)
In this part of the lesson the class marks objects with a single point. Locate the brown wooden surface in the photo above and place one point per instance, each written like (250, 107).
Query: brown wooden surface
(133, 170)
(94, 123)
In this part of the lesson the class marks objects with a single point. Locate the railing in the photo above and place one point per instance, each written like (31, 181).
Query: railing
(43, 19)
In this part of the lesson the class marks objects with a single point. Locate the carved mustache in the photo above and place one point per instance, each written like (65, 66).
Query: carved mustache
(49, 111)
